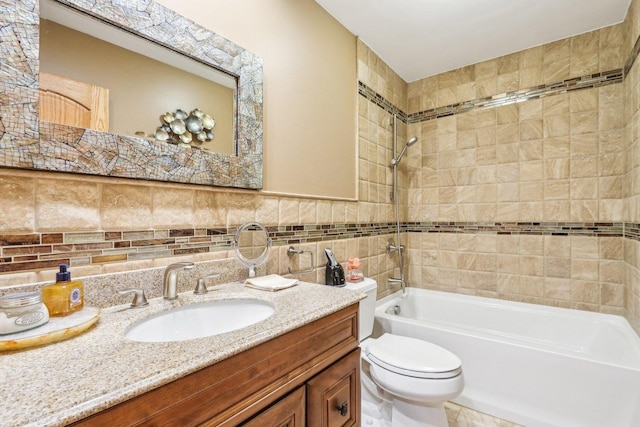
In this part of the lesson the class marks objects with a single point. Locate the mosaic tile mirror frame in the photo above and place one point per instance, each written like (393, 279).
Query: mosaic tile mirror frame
(27, 143)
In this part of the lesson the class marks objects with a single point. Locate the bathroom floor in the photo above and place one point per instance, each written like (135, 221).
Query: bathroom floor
(459, 416)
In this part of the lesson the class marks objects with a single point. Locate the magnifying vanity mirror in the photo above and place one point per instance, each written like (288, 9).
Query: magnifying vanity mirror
(252, 244)
(222, 81)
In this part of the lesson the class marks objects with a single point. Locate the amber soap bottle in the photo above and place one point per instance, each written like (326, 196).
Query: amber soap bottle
(64, 297)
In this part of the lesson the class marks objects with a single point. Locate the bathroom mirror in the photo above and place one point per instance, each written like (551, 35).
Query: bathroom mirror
(27, 142)
(252, 244)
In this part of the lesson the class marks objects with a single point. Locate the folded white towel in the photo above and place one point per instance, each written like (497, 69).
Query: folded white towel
(272, 282)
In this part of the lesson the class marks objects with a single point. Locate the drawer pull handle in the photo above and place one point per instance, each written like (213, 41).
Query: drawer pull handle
(344, 409)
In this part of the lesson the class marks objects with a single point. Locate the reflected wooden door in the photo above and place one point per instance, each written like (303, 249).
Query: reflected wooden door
(69, 102)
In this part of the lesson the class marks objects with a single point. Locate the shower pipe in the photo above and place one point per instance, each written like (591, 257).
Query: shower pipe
(391, 246)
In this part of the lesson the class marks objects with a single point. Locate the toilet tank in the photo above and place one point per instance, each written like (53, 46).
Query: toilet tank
(366, 312)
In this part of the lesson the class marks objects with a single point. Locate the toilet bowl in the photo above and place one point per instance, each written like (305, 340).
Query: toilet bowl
(405, 381)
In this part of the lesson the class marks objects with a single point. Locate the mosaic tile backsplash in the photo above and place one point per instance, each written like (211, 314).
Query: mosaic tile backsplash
(24, 252)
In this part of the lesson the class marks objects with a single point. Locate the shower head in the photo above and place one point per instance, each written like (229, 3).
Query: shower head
(404, 150)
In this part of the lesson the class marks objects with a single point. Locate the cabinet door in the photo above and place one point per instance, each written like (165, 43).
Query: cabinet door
(73, 103)
(333, 396)
(288, 412)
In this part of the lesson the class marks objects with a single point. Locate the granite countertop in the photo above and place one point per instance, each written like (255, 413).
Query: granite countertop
(64, 382)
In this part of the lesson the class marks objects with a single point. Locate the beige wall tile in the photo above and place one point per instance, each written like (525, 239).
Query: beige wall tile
(308, 211)
(585, 291)
(585, 211)
(18, 213)
(267, 211)
(556, 126)
(557, 288)
(612, 55)
(556, 61)
(66, 205)
(126, 207)
(585, 57)
(172, 208)
(241, 208)
(289, 211)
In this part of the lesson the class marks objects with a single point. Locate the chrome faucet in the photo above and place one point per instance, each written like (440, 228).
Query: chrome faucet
(391, 248)
(170, 282)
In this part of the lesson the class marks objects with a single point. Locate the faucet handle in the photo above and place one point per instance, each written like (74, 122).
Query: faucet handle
(139, 299)
(201, 287)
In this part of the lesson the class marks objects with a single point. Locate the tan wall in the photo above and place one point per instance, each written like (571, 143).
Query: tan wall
(140, 89)
(310, 89)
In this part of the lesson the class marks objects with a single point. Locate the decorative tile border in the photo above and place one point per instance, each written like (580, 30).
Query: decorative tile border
(632, 231)
(46, 250)
(374, 97)
(594, 229)
(632, 57)
(585, 82)
(589, 81)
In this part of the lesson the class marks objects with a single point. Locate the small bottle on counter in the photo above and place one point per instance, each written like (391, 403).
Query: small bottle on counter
(20, 312)
(64, 297)
(354, 274)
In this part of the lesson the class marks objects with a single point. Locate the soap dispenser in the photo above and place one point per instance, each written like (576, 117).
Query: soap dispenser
(64, 297)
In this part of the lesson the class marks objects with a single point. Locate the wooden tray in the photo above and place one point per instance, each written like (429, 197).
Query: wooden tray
(57, 329)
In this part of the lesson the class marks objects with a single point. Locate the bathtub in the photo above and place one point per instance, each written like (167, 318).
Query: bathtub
(529, 364)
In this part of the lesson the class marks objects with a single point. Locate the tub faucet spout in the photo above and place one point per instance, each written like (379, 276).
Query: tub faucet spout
(401, 282)
(170, 282)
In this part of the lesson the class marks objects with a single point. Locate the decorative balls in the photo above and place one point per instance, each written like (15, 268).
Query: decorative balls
(179, 127)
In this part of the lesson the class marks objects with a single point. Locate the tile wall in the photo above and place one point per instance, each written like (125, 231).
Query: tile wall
(631, 182)
(527, 201)
(528, 167)
(106, 225)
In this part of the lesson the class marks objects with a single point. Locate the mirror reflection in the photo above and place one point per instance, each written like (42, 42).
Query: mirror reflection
(129, 93)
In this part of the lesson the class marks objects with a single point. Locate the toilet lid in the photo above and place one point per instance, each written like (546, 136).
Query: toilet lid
(413, 357)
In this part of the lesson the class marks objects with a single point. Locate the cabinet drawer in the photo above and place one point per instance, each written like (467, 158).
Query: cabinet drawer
(333, 396)
(288, 412)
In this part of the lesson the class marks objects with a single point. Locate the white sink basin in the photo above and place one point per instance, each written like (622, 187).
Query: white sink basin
(199, 320)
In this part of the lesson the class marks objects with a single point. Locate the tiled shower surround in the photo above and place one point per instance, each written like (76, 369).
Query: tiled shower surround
(525, 185)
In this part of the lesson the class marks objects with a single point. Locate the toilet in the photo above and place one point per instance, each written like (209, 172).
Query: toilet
(405, 381)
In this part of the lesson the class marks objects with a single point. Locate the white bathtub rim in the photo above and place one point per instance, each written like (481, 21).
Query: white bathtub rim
(525, 342)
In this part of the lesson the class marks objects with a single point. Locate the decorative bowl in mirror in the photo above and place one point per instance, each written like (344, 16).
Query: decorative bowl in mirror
(179, 127)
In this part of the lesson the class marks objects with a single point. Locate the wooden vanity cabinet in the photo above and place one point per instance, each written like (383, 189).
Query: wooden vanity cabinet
(307, 377)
